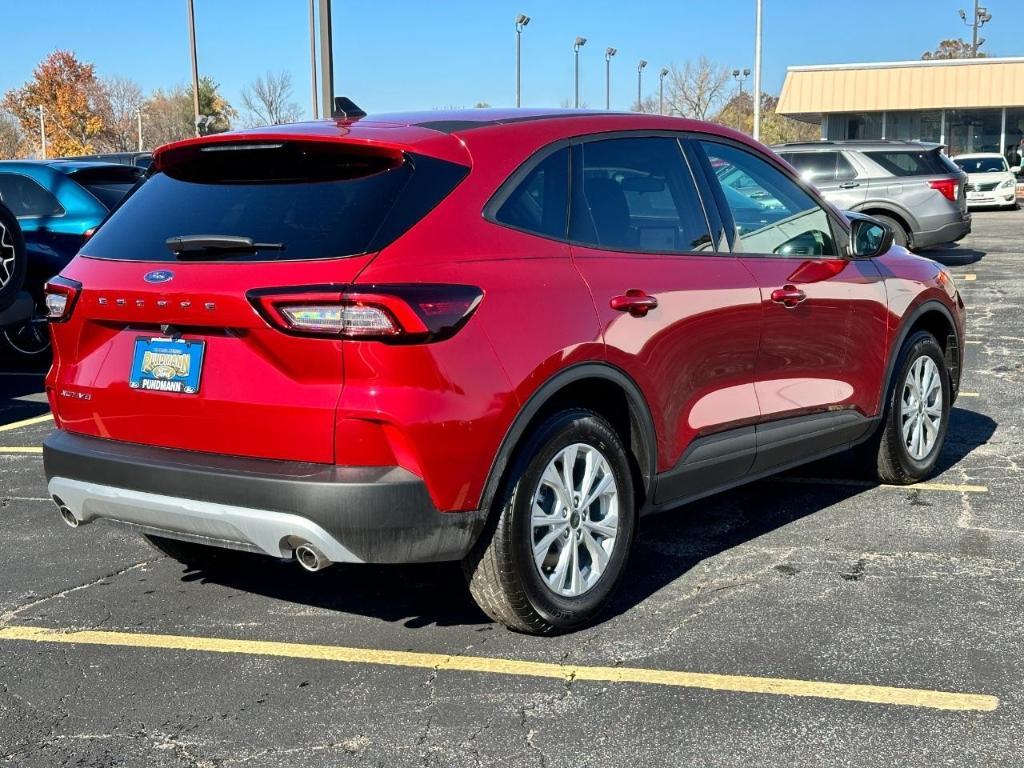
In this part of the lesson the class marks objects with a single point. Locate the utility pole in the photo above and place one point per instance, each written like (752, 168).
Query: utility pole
(42, 131)
(580, 42)
(521, 21)
(326, 61)
(195, 64)
(757, 73)
(138, 115)
(979, 19)
(312, 60)
(639, 90)
(609, 52)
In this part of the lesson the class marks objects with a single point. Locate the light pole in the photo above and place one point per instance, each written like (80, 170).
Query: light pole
(326, 61)
(312, 60)
(980, 18)
(740, 77)
(639, 84)
(521, 21)
(195, 63)
(42, 131)
(661, 90)
(580, 42)
(757, 73)
(138, 117)
(608, 53)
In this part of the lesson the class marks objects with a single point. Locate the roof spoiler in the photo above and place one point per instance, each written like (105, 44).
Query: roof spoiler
(345, 108)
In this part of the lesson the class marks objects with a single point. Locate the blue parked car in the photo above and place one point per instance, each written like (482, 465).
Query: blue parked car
(57, 203)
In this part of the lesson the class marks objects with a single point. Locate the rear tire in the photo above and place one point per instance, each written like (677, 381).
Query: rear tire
(549, 561)
(13, 261)
(909, 441)
(199, 557)
(900, 236)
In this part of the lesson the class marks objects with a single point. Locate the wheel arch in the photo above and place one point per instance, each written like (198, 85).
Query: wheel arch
(600, 387)
(903, 216)
(935, 318)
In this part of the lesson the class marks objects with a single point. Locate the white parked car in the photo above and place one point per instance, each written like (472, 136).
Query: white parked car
(990, 181)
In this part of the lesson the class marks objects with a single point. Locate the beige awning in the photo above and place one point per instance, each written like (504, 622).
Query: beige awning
(903, 85)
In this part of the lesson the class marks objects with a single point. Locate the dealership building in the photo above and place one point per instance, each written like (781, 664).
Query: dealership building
(970, 105)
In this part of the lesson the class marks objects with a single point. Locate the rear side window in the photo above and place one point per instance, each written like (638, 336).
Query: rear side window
(539, 204)
(913, 162)
(820, 167)
(636, 195)
(317, 201)
(26, 197)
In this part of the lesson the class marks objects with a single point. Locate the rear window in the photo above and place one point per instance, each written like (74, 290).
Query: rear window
(317, 201)
(982, 164)
(108, 185)
(913, 162)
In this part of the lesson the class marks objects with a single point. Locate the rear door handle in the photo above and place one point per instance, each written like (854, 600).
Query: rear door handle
(634, 301)
(849, 185)
(788, 296)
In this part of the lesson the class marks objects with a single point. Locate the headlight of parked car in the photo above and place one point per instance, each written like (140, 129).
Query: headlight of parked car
(1008, 183)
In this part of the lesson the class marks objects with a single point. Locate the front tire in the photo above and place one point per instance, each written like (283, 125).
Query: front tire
(557, 547)
(917, 414)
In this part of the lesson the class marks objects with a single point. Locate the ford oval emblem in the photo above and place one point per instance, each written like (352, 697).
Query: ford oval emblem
(158, 276)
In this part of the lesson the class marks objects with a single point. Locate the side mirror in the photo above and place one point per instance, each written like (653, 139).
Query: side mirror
(1015, 170)
(868, 237)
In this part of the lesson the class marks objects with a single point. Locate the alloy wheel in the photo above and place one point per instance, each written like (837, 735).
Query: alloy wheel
(921, 408)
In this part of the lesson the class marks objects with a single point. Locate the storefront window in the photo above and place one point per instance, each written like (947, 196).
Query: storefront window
(973, 130)
(1013, 151)
(866, 125)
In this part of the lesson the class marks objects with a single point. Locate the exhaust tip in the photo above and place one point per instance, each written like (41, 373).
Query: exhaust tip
(310, 558)
(69, 517)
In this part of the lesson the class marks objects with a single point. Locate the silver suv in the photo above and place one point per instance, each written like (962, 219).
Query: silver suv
(909, 185)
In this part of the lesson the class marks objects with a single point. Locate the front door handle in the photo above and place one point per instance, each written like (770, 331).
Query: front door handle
(788, 296)
(634, 301)
(849, 185)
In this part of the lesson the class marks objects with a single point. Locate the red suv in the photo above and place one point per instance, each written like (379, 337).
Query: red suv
(492, 336)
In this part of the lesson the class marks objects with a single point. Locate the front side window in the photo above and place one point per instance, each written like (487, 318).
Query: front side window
(771, 213)
(539, 203)
(26, 198)
(636, 194)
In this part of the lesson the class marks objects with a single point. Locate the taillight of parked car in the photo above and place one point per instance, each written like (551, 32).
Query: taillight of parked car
(61, 295)
(391, 313)
(950, 188)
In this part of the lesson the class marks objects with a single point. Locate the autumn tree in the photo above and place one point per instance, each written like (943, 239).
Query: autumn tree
(268, 101)
(696, 90)
(955, 48)
(168, 116)
(118, 102)
(10, 136)
(67, 90)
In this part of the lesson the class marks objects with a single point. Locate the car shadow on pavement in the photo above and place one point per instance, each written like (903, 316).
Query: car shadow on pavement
(953, 255)
(15, 386)
(668, 546)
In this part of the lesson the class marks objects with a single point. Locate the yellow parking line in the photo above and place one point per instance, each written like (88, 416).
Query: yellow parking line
(20, 449)
(968, 394)
(27, 422)
(875, 694)
(951, 487)
(973, 341)
(970, 277)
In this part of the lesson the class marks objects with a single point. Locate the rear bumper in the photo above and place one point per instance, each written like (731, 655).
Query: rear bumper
(951, 232)
(351, 514)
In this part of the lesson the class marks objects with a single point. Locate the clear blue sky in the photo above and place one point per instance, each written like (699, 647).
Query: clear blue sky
(393, 54)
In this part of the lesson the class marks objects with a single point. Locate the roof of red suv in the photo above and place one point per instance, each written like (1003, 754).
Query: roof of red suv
(432, 132)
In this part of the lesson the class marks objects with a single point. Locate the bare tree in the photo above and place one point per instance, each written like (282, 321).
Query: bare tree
(955, 48)
(119, 100)
(268, 101)
(697, 90)
(10, 136)
(649, 105)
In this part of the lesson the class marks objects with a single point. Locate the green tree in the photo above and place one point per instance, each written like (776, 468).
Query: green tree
(954, 48)
(168, 114)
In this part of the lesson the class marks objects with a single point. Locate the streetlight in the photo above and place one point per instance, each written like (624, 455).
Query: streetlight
(42, 130)
(521, 21)
(980, 18)
(138, 115)
(639, 77)
(661, 90)
(740, 77)
(314, 105)
(609, 52)
(580, 42)
(757, 73)
(195, 63)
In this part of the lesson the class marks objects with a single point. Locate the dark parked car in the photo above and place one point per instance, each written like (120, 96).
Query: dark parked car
(15, 303)
(139, 159)
(494, 336)
(57, 203)
(910, 186)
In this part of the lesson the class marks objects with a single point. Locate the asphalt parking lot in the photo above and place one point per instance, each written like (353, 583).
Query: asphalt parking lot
(811, 620)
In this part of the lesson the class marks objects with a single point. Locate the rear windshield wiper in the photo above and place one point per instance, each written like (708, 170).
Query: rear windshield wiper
(194, 245)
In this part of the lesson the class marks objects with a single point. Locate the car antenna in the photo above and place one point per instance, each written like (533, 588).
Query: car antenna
(345, 108)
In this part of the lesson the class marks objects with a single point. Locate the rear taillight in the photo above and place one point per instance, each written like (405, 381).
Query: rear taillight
(61, 295)
(950, 188)
(391, 313)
